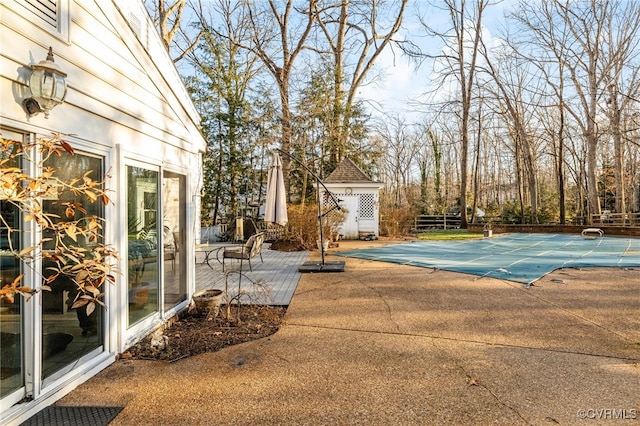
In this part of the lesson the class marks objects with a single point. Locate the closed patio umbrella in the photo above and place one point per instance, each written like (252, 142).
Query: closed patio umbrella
(276, 203)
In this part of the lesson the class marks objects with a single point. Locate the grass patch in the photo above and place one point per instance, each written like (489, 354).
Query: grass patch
(449, 235)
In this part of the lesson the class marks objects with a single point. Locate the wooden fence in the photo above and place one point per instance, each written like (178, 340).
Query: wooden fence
(425, 222)
(616, 219)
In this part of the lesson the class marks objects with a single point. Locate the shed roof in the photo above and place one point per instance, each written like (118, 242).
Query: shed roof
(348, 172)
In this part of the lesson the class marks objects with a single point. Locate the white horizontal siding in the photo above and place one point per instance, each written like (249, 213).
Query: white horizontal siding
(109, 74)
(118, 65)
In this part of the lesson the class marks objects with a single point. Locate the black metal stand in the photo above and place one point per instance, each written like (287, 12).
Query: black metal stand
(322, 266)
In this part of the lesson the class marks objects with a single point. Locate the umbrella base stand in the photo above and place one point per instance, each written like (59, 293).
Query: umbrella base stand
(311, 267)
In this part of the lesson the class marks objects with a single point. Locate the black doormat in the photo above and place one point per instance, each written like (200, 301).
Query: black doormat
(73, 416)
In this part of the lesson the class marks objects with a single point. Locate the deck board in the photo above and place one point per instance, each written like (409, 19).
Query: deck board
(279, 272)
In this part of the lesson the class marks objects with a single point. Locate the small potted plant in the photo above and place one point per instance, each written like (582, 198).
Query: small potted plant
(208, 301)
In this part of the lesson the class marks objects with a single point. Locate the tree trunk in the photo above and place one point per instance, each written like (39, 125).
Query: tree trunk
(618, 149)
(560, 169)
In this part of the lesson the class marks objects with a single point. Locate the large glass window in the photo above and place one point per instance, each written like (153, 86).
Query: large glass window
(68, 334)
(11, 340)
(142, 247)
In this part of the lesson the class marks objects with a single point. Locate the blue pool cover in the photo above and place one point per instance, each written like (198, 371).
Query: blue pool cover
(523, 258)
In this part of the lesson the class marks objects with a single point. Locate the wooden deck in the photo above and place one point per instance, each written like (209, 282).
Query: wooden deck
(271, 282)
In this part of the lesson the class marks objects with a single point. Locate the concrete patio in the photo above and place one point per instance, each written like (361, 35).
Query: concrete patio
(387, 344)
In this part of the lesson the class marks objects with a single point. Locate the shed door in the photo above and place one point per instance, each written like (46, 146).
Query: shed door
(367, 215)
(349, 228)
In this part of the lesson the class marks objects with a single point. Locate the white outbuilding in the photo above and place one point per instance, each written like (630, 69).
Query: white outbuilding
(360, 197)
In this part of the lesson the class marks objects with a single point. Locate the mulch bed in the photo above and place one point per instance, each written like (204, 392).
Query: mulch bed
(193, 333)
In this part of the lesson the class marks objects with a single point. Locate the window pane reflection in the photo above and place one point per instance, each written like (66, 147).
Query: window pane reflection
(11, 377)
(174, 223)
(68, 334)
(142, 269)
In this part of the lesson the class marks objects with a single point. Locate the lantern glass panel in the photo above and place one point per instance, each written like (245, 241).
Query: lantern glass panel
(48, 84)
(60, 88)
(35, 83)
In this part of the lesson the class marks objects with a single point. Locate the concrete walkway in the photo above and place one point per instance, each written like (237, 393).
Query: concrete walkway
(385, 344)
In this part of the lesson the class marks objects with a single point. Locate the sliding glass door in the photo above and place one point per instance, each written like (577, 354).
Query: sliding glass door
(66, 337)
(155, 242)
(142, 244)
(174, 225)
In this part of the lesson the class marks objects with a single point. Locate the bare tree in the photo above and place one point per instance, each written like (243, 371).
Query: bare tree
(226, 73)
(541, 29)
(512, 80)
(583, 60)
(277, 39)
(622, 40)
(436, 145)
(277, 33)
(589, 40)
(459, 58)
(362, 29)
(168, 21)
(400, 143)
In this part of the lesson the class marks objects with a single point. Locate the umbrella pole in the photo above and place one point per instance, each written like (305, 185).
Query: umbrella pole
(333, 266)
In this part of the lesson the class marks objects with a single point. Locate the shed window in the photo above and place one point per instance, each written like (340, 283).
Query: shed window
(367, 206)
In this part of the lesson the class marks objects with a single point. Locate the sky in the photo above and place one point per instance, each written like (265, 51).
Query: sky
(403, 81)
(399, 81)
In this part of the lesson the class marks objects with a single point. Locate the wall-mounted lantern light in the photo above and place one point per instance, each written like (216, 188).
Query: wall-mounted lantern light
(48, 87)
